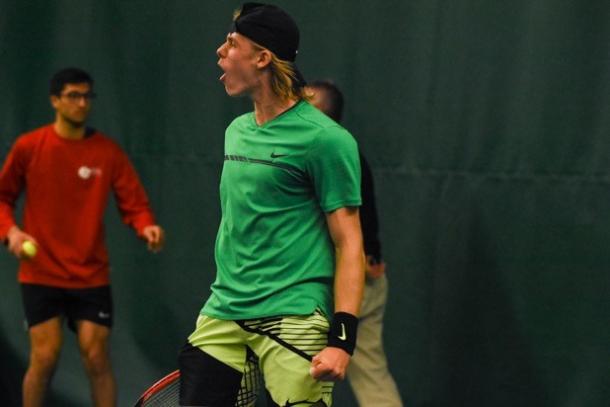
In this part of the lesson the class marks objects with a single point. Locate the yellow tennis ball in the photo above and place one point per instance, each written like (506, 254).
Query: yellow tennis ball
(29, 248)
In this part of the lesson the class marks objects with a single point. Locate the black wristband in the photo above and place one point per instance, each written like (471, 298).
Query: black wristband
(343, 330)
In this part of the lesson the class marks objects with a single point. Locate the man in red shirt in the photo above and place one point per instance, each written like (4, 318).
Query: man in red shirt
(68, 171)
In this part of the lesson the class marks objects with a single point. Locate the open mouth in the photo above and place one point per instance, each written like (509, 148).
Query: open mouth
(224, 72)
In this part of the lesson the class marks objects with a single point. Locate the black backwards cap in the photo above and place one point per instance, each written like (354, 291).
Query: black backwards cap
(272, 28)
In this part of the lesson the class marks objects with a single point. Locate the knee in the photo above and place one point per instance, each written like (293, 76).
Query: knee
(44, 359)
(96, 361)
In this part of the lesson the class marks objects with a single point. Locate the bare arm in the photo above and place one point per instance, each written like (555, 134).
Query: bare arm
(344, 227)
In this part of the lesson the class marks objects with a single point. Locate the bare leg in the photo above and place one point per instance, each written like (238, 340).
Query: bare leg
(45, 345)
(93, 342)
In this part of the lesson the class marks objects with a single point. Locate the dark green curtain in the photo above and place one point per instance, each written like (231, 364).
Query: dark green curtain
(487, 125)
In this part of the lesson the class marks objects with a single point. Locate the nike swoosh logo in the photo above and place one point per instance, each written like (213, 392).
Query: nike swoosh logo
(103, 315)
(343, 335)
(273, 155)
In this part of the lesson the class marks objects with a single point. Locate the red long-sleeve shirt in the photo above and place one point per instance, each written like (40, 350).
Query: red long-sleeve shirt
(67, 184)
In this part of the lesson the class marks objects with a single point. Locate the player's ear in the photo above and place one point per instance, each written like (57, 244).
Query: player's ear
(263, 59)
(54, 101)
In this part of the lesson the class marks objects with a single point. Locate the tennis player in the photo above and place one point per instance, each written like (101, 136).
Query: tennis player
(68, 171)
(289, 239)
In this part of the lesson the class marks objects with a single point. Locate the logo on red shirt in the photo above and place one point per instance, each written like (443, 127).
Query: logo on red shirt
(85, 172)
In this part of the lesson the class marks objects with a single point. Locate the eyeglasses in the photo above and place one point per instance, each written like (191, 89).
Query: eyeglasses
(77, 96)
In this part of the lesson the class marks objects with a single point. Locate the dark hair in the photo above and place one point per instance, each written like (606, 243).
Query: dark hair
(335, 98)
(68, 75)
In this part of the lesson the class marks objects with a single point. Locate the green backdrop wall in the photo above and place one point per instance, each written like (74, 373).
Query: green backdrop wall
(487, 125)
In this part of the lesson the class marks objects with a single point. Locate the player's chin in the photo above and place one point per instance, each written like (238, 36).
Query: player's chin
(78, 120)
(234, 90)
(233, 87)
(77, 123)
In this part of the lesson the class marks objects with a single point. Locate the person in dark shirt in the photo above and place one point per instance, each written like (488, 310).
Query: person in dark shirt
(368, 372)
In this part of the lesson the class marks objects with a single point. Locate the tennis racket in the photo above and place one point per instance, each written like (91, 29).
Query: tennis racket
(165, 392)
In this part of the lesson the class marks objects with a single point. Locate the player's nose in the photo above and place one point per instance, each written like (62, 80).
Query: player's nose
(221, 50)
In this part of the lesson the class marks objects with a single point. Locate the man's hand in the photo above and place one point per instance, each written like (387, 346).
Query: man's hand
(330, 364)
(155, 237)
(14, 242)
(373, 268)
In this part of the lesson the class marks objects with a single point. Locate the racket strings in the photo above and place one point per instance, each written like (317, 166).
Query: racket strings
(167, 396)
(251, 382)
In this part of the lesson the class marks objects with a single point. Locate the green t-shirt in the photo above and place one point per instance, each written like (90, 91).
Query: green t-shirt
(274, 255)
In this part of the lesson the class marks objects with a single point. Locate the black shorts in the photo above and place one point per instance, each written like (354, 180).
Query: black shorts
(42, 303)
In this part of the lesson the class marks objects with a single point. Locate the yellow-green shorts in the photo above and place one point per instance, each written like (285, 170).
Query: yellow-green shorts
(225, 363)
